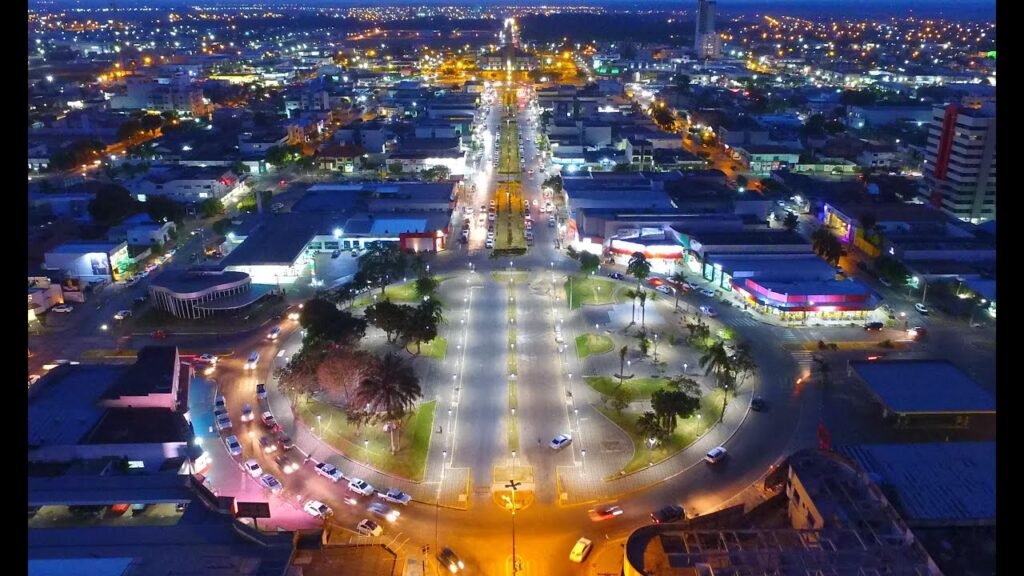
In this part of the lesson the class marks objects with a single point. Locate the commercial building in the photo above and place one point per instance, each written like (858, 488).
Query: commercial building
(138, 413)
(707, 44)
(199, 293)
(960, 162)
(89, 261)
(925, 393)
(184, 183)
(836, 521)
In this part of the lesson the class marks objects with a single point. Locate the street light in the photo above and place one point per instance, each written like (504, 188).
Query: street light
(513, 485)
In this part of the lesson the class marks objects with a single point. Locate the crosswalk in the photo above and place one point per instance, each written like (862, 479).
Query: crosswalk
(745, 321)
(803, 359)
(790, 336)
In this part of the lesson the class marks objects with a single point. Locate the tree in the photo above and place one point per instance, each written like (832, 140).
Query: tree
(341, 371)
(157, 249)
(249, 204)
(78, 153)
(111, 205)
(394, 168)
(129, 129)
(648, 425)
(790, 221)
(392, 318)
(151, 122)
(682, 83)
(717, 360)
(389, 391)
(622, 364)
(277, 155)
(381, 262)
(826, 245)
(643, 310)
(300, 374)
(645, 345)
(699, 333)
(589, 262)
(679, 279)
(424, 322)
(743, 361)
(435, 174)
(619, 399)
(425, 286)
(669, 404)
(211, 207)
(639, 268)
(325, 323)
(163, 209)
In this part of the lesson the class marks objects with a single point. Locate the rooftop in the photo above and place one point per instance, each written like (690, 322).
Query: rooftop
(190, 281)
(923, 387)
(278, 239)
(140, 426)
(940, 483)
(62, 405)
(892, 212)
(152, 373)
(752, 237)
(86, 247)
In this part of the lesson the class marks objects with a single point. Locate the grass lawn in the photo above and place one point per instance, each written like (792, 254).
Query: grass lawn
(517, 276)
(436, 348)
(638, 388)
(404, 292)
(409, 462)
(591, 290)
(593, 344)
(687, 431)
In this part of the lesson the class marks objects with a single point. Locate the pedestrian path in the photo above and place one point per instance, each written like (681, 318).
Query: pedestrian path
(804, 360)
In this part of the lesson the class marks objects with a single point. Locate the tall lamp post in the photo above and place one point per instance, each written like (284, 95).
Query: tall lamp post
(513, 485)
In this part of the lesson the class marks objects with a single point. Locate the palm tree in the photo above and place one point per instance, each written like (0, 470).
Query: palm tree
(717, 360)
(643, 310)
(639, 268)
(826, 245)
(743, 361)
(678, 278)
(389, 391)
(622, 363)
(648, 425)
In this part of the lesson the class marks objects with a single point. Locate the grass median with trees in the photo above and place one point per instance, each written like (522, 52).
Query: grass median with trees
(592, 345)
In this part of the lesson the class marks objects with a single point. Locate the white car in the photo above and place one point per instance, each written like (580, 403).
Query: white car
(247, 414)
(395, 496)
(252, 361)
(317, 509)
(62, 308)
(489, 244)
(208, 359)
(253, 468)
(560, 441)
(270, 483)
(234, 447)
(921, 309)
(223, 423)
(715, 455)
(123, 314)
(219, 403)
(708, 311)
(361, 487)
(368, 527)
(707, 292)
(580, 550)
(664, 289)
(328, 471)
(261, 391)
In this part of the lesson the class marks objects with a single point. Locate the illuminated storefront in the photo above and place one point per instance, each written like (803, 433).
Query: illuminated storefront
(663, 253)
(826, 300)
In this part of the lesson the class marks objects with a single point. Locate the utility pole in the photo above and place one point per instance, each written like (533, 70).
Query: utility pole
(515, 561)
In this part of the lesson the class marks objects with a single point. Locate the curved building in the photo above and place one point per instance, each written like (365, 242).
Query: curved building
(202, 293)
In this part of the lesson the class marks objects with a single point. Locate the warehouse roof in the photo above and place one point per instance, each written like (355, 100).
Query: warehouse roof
(923, 387)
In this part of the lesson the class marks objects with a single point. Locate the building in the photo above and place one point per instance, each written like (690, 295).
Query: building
(43, 294)
(960, 162)
(184, 183)
(199, 293)
(137, 413)
(924, 393)
(835, 521)
(89, 261)
(707, 44)
(763, 159)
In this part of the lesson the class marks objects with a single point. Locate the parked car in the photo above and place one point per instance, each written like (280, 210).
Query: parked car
(580, 550)
(715, 455)
(616, 275)
(448, 558)
(921, 309)
(560, 441)
(395, 496)
(707, 292)
(335, 254)
(317, 509)
(62, 308)
(328, 471)
(253, 468)
(219, 403)
(874, 326)
(270, 483)
(234, 447)
(268, 419)
(284, 440)
(670, 513)
(368, 527)
(261, 391)
(361, 487)
(223, 423)
(664, 289)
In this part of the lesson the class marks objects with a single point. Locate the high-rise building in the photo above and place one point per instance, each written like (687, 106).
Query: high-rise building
(706, 40)
(960, 162)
